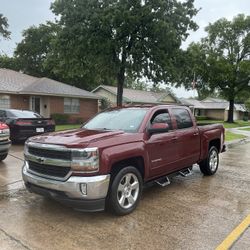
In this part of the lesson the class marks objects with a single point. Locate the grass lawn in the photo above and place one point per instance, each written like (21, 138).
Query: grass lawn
(232, 136)
(247, 129)
(67, 126)
(238, 123)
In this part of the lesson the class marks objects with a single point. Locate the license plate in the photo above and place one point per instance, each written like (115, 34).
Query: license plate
(39, 130)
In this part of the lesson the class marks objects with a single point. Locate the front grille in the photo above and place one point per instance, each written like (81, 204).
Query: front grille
(49, 170)
(53, 154)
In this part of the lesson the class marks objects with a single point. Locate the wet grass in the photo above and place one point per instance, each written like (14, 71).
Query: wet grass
(67, 126)
(229, 136)
(236, 124)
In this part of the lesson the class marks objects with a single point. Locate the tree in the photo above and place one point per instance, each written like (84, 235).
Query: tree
(224, 63)
(9, 63)
(115, 38)
(4, 27)
(32, 51)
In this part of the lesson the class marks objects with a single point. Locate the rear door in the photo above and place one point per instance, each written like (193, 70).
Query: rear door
(188, 138)
(161, 147)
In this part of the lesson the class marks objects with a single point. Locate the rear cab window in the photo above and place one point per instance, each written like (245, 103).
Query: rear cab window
(182, 117)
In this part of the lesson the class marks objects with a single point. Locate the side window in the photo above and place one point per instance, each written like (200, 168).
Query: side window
(182, 117)
(162, 116)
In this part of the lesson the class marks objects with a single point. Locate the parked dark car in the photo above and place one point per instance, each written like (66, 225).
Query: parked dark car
(25, 123)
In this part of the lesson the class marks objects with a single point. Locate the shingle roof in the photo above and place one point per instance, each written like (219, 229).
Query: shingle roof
(212, 103)
(139, 96)
(192, 102)
(19, 83)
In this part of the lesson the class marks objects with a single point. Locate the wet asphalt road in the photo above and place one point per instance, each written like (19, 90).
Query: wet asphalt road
(195, 212)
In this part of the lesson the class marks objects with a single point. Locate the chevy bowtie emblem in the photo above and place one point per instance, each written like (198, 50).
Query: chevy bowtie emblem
(40, 160)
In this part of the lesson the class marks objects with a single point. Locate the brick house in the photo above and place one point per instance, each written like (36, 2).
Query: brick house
(45, 96)
(133, 96)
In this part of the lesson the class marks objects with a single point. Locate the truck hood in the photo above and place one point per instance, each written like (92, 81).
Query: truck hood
(75, 138)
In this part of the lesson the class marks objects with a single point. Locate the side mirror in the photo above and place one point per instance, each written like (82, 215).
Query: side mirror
(158, 128)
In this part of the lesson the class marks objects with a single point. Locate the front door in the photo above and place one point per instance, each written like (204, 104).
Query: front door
(36, 104)
(161, 147)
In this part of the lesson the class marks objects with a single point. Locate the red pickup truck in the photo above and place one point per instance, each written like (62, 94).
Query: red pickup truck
(106, 163)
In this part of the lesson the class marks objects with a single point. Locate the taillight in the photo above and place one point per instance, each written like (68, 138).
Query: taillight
(3, 126)
(23, 122)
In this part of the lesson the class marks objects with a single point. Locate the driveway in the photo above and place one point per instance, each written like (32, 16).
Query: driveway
(195, 212)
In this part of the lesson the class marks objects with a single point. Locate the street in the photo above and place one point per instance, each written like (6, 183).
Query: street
(193, 212)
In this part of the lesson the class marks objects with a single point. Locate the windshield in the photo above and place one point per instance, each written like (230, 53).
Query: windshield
(128, 120)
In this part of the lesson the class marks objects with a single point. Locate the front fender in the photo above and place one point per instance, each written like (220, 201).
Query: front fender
(123, 152)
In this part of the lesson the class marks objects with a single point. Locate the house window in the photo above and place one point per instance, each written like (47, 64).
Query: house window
(71, 105)
(4, 102)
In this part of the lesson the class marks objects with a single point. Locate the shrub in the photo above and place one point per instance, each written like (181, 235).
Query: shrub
(201, 118)
(60, 119)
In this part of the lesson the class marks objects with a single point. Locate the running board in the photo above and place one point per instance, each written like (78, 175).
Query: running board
(186, 172)
(163, 182)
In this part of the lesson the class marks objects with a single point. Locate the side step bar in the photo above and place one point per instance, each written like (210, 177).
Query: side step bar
(185, 172)
(164, 181)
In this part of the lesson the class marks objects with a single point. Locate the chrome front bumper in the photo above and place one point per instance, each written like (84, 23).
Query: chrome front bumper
(97, 186)
(4, 146)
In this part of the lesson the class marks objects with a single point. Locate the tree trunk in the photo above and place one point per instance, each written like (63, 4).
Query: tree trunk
(120, 84)
(231, 111)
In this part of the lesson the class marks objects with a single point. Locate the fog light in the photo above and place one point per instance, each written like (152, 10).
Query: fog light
(83, 188)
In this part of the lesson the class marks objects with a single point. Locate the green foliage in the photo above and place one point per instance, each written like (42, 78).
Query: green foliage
(105, 103)
(133, 83)
(221, 60)
(103, 41)
(67, 126)
(9, 63)
(4, 27)
(201, 118)
(60, 119)
(31, 53)
(247, 103)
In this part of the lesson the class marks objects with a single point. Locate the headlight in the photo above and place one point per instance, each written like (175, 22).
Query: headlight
(25, 151)
(85, 160)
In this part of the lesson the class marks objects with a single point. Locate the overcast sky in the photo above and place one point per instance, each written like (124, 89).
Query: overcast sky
(22, 14)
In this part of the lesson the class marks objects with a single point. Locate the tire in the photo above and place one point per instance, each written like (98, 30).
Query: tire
(125, 191)
(209, 166)
(2, 157)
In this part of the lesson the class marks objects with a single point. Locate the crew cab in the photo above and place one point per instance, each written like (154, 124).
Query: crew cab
(106, 162)
(5, 142)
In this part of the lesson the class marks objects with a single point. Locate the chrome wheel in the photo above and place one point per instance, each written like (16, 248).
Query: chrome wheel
(213, 160)
(128, 190)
